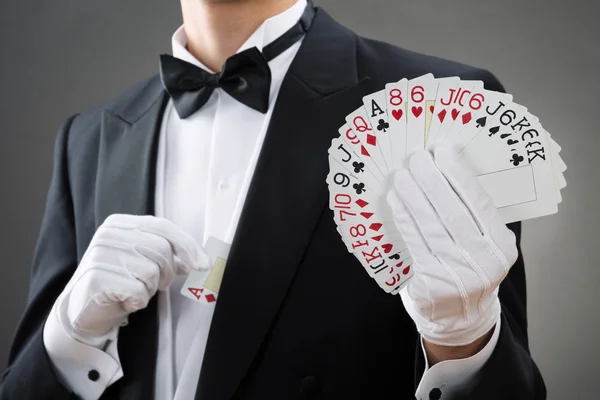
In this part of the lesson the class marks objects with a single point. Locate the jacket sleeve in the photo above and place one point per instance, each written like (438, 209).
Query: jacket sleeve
(510, 372)
(30, 374)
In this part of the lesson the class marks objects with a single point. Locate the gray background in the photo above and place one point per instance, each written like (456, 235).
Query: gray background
(64, 56)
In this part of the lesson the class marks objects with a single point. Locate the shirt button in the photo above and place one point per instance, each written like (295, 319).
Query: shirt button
(93, 375)
(435, 394)
(223, 184)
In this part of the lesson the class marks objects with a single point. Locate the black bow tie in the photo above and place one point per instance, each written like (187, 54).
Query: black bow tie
(245, 76)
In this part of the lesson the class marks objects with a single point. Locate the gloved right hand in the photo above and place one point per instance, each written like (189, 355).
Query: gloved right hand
(129, 258)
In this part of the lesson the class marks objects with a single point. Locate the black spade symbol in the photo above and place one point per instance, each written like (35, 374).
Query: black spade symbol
(494, 130)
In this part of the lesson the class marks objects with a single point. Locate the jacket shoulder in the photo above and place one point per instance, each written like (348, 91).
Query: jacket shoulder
(83, 129)
(386, 62)
(128, 105)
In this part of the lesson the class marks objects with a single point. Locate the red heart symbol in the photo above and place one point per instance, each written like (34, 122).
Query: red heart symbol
(366, 215)
(466, 118)
(455, 114)
(375, 226)
(442, 115)
(397, 114)
(377, 238)
(400, 264)
(361, 203)
(431, 109)
(417, 111)
(387, 247)
(406, 270)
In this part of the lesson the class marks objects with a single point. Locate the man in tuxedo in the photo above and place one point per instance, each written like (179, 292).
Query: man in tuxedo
(230, 141)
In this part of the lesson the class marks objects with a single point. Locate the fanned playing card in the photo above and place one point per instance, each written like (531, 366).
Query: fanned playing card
(513, 157)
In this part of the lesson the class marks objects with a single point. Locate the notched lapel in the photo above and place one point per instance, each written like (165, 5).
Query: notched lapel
(127, 163)
(286, 197)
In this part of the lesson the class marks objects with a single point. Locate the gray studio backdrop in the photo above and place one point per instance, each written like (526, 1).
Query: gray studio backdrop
(64, 56)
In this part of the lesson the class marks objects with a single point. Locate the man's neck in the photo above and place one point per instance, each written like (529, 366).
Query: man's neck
(216, 29)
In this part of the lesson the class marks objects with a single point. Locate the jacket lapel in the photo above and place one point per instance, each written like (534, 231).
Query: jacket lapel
(125, 184)
(127, 155)
(285, 199)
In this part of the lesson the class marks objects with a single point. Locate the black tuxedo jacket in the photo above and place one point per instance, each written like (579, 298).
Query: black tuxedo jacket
(297, 316)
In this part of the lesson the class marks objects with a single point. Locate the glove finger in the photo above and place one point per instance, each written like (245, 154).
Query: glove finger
(452, 212)
(420, 251)
(147, 258)
(160, 268)
(418, 215)
(183, 245)
(478, 202)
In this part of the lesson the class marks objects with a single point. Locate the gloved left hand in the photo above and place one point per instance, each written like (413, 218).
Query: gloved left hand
(461, 248)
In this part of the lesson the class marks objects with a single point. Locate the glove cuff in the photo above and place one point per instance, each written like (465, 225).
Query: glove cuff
(470, 334)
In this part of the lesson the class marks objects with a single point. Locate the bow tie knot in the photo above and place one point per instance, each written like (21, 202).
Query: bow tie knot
(237, 83)
(197, 82)
(245, 76)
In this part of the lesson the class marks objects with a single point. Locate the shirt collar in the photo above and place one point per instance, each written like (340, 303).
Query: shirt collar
(267, 32)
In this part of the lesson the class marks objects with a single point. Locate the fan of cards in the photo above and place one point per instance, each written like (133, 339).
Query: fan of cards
(514, 158)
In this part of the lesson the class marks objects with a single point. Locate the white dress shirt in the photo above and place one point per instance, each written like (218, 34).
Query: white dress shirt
(204, 166)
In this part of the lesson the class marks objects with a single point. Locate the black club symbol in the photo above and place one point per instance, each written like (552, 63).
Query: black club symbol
(516, 160)
(383, 126)
(359, 188)
(358, 167)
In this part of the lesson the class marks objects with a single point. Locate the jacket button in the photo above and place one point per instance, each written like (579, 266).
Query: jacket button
(309, 387)
(93, 375)
(435, 394)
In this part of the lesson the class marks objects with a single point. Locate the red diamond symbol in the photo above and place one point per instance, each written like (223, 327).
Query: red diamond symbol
(210, 298)
(372, 140)
(364, 151)
(442, 115)
(361, 203)
(466, 118)
(377, 238)
(375, 226)
(367, 215)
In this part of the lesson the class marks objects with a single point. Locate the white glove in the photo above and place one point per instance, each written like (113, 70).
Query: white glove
(461, 248)
(128, 260)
